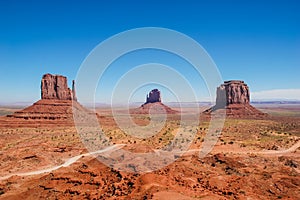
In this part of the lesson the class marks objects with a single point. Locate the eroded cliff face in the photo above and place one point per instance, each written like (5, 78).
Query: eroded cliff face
(232, 92)
(153, 96)
(234, 97)
(55, 87)
(57, 101)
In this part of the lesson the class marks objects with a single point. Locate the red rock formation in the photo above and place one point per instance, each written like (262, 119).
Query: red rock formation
(58, 101)
(234, 96)
(153, 96)
(49, 109)
(55, 87)
(157, 108)
(153, 102)
(73, 91)
(232, 92)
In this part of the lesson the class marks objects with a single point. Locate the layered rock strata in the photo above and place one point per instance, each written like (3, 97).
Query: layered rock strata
(234, 97)
(58, 101)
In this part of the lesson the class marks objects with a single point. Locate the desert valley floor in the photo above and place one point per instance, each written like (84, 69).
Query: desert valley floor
(254, 158)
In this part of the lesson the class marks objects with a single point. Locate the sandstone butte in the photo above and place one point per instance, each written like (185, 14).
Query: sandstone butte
(234, 97)
(153, 102)
(57, 101)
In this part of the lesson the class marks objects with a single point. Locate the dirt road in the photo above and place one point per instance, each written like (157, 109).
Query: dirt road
(118, 146)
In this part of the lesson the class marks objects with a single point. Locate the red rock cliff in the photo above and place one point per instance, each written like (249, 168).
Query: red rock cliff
(55, 87)
(232, 92)
(234, 97)
(153, 96)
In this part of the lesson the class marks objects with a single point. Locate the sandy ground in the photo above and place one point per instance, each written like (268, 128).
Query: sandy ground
(253, 159)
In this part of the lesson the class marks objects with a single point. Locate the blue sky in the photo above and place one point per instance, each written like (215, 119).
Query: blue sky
(255, 41)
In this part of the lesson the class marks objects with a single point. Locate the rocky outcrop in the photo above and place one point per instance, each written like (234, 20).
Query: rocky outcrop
(232, 92)
(74, 91)
(49, 109)
(56, 87)
(234, 97)
(58, 102)
(156, 108)
(153, 96)
(153, 103)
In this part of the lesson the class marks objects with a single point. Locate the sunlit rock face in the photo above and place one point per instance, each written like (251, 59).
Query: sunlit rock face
(56, 87)
(232, 92)
(234, 97)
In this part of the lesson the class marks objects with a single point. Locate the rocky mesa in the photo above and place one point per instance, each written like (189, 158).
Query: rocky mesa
(234, 97)
(57, 101)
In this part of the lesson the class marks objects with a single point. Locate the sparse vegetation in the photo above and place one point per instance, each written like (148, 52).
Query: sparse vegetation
(222, 173)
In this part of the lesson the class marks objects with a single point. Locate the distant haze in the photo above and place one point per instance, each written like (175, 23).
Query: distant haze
(280, 94)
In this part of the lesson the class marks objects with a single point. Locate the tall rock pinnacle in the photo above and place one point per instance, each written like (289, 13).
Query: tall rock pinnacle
(73, 91)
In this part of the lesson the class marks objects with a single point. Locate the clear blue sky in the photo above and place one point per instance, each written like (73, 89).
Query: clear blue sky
(256, 41)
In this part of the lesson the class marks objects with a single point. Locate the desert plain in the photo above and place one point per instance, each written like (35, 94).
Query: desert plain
(254, 158)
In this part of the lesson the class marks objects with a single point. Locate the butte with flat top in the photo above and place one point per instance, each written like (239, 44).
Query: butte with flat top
(234, 97)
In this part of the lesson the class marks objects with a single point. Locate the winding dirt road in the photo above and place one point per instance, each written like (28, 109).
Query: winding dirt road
(119, 146)
(65, 164)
